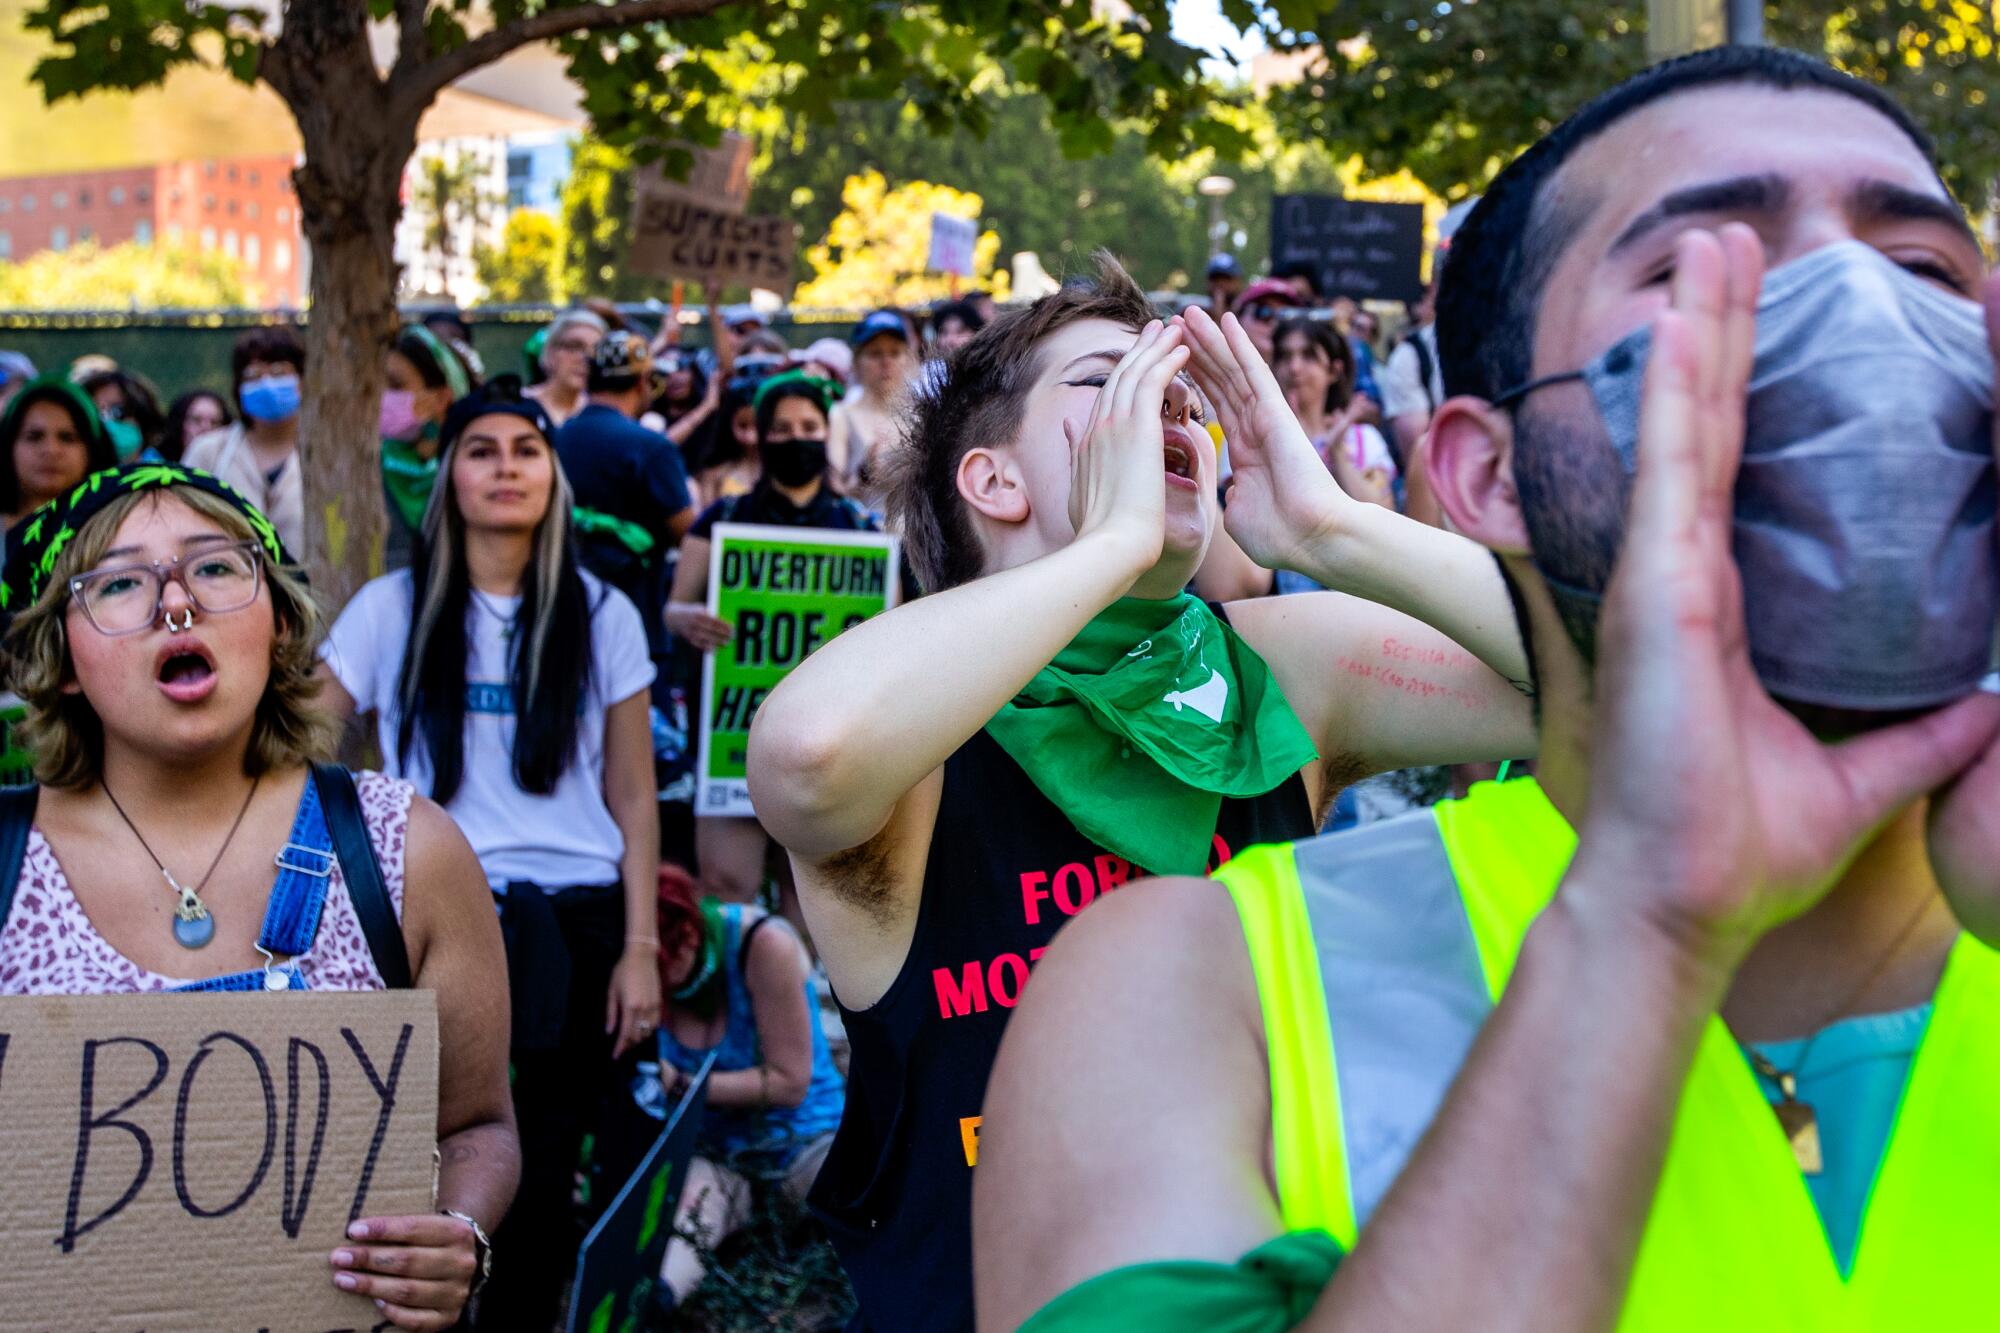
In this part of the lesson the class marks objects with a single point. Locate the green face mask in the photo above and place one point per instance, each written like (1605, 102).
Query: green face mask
(1140, 727)
(125, 437)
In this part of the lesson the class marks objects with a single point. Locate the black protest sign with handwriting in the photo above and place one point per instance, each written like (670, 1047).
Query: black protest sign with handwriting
(1356, 247)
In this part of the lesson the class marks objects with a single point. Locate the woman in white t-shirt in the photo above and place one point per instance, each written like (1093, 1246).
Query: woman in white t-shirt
(512, 688)
(1314, 365)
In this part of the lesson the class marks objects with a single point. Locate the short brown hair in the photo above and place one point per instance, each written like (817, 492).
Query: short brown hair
(977, 401)
(63, 732)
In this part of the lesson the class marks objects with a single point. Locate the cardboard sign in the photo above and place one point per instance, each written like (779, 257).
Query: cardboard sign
(620, 1258)
(1358, 248)
(786, 591)
(675, 234)
(952, 242)
(719, 176)
(188, 1162)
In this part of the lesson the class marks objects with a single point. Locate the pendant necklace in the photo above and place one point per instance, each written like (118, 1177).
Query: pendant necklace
(508, 624)
(194, 925)
(1798, 1118)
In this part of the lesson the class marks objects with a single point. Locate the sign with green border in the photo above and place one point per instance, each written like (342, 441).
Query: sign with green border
(785, 592)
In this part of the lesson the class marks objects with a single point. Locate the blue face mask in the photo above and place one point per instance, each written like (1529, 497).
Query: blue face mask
(272, 399)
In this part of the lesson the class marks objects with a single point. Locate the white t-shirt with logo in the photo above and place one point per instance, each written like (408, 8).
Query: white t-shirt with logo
(565, 838)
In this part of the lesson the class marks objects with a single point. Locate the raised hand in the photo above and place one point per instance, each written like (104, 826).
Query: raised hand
(1965, 818)
(1714, 814)
(1283, 503)
(1117, 461)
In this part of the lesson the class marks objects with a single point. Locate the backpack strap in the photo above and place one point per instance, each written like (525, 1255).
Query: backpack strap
(362, 874)
(17, 816)
(743, 949)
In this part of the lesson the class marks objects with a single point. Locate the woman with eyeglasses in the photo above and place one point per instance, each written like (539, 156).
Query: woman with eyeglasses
(512, 687)
(165, 645)
(790, 414)
(193, 415)
(131, 410)
(564, 360)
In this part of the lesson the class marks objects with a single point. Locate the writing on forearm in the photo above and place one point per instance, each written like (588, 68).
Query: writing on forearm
(1416, 686)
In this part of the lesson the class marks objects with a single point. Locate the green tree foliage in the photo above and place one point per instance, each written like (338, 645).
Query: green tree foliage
(523, 268)
(877, 248)
(1452, 90)
(130, 276)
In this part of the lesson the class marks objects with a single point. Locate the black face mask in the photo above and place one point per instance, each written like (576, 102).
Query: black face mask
(794, 462)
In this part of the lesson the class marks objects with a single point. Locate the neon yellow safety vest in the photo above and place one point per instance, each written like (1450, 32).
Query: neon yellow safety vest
(1379, 952)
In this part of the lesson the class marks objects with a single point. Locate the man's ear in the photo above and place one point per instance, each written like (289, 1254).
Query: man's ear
(989, 481)
(1469, 462)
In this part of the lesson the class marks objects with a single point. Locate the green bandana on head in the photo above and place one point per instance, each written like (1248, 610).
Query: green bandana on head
(1140, 727)
(40, 538)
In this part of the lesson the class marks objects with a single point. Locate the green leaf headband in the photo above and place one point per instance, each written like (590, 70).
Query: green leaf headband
(39, 539)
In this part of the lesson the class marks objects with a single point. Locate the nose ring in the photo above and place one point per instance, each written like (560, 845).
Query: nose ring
(172, 628)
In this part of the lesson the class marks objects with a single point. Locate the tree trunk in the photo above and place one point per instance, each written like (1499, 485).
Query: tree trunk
(357, 143)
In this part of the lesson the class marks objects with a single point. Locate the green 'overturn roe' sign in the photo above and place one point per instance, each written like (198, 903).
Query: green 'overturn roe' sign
(786, 592)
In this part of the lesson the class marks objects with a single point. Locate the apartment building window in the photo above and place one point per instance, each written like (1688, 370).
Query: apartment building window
(232, 171)
(27, 203)
(60, 199)
(83, 199)
(256, 177)
(251, 210)
(6, 244)
(229, 244)
(281, 256)
(231, 208)
(117, 195)
(253, 250)
(208, 238)
(59, 238)
(6, 204)
(144, 195)
(143, 232)
(208, 203)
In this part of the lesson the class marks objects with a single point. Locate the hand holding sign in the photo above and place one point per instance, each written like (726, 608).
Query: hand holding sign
(418, 1272)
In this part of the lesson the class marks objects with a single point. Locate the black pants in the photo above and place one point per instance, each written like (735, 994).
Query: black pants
(560, 1087)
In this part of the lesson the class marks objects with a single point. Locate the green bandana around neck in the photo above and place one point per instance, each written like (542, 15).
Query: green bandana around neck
(1152, 714)
(409, 477)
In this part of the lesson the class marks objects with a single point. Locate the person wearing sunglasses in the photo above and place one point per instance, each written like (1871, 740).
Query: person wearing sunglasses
(1263, 303)
(165, 647)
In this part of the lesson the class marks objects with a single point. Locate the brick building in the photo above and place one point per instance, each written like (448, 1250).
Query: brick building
(242, 207)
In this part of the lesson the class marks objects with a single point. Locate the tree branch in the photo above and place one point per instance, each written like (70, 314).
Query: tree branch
(413, 43)
(424, 82)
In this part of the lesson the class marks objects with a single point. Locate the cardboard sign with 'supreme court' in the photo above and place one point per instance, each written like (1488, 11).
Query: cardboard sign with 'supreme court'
(188, 1162)
(785, 592)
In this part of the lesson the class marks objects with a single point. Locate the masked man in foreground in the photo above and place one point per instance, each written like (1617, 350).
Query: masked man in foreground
(1687, 1035)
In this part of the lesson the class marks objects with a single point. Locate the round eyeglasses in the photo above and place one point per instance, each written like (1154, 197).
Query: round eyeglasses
(126, 598)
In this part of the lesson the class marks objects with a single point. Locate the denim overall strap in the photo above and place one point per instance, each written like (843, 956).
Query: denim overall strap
(305, 866)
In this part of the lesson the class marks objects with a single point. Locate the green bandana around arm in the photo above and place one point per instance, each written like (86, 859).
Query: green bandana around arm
(1152, 714)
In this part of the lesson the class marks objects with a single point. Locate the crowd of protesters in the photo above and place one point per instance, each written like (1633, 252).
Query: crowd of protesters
(1176, 583)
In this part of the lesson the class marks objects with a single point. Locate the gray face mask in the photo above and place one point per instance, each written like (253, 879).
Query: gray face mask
(1865, 502)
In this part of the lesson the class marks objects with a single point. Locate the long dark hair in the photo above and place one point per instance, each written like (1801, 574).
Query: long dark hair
(551, 669)
(1339, 354)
